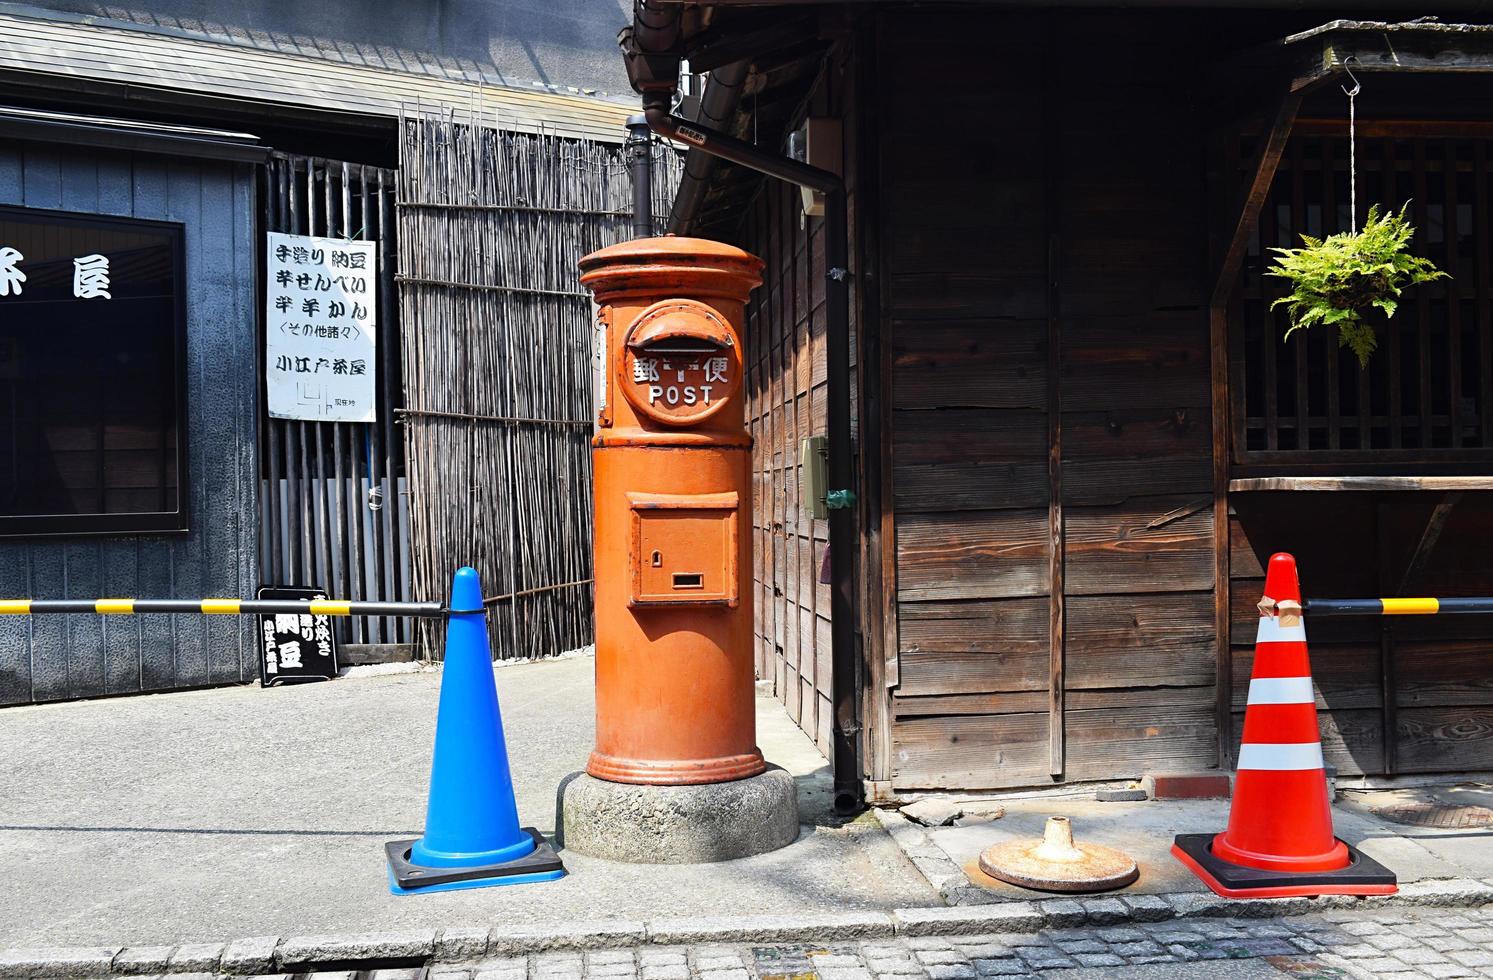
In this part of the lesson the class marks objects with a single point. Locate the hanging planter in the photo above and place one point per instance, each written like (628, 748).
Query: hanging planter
(1339, 280)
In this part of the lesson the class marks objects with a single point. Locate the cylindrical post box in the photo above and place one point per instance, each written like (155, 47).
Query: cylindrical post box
(673, 499)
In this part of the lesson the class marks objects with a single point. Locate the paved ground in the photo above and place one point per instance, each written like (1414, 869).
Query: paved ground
(1145, 831)
(215, 815)
(1397, 944)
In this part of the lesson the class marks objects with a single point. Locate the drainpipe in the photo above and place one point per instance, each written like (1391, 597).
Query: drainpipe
(718, 106)
(841, 496)
(639, 148)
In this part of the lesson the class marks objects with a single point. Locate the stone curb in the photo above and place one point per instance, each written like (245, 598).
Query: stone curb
(246, 957)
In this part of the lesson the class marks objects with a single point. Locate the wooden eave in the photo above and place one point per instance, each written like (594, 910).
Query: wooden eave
(1297, 64)
(1422, 47)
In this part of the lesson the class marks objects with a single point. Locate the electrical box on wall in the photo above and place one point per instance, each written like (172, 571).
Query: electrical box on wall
(813, 457)
(818, 144)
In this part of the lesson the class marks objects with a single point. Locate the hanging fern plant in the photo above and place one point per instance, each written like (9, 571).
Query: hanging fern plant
(1340, 279)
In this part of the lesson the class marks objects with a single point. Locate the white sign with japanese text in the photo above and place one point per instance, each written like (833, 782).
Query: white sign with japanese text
(321, 328)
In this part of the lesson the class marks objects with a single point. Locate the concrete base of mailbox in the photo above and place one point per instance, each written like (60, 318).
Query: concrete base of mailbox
(678, 824)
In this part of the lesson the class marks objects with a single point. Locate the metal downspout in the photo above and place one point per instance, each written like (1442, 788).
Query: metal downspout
(718, 106)
(639, 148)
(849, 796)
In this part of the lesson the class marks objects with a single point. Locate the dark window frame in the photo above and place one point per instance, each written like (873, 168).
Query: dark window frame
(144, 522)
(1347, 438)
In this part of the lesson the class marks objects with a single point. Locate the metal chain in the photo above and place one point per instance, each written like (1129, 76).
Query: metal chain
(1352, 149)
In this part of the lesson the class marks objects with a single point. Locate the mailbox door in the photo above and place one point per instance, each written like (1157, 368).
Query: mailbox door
(683, 549)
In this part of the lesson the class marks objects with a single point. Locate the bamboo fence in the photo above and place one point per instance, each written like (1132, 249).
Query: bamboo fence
(498, 340)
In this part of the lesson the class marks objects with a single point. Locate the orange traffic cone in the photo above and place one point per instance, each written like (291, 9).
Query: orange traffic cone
(1279, 841)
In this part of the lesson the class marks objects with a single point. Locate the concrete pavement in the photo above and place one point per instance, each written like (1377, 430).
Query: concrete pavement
(215, 815)
(948, 856)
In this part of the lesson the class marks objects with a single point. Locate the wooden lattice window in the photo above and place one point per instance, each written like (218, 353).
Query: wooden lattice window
(1427, 394)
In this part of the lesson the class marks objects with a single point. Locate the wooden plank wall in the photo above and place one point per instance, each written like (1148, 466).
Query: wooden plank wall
(1396, 696)
(786, 403)
(1140, 654)
(1051, 194)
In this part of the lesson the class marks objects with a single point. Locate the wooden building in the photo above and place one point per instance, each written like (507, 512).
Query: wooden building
(1077, 430)
(141, 458)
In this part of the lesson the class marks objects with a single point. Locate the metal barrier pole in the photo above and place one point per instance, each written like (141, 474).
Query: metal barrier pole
(1397, 607)
(227, 607)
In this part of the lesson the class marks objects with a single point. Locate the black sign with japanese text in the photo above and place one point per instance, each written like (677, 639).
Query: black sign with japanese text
(295, 647)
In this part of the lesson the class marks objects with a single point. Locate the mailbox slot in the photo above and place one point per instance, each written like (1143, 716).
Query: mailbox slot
(683, 549)
(684, 346)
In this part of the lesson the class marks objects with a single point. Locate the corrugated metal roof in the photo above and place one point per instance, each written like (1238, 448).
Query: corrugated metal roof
(79, 50)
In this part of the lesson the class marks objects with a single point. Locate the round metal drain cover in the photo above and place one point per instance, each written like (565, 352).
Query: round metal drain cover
(1057, 864)
(1443, 816)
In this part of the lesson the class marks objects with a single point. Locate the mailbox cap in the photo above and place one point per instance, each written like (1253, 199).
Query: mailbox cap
(671, 265)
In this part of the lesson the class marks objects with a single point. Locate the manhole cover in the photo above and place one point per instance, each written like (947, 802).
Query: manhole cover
(1446, 816)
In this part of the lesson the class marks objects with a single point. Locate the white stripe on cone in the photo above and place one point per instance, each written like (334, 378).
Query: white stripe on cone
(1280, 756)
(1271, 631)
(1281, 690)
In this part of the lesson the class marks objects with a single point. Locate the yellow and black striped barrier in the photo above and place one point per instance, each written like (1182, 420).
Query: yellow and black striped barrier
(1397, 607)
(223, 607)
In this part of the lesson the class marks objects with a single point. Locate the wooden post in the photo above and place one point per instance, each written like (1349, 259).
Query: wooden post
(878, 556)
(1056, 640)
(1239, 223)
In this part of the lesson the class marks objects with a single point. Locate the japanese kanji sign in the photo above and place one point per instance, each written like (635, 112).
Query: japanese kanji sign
(321, 328)
(295, 647)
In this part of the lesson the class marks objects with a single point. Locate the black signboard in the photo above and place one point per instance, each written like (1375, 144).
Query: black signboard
(295, 647)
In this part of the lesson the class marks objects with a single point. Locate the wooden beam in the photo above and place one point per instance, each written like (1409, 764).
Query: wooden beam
(1223, 678)
(1222, 175)
(1320, 483)
(1057, 744)
(1417, 56)
(1241, 221)
(1428, 538)
(873, 364)
(1388, 686)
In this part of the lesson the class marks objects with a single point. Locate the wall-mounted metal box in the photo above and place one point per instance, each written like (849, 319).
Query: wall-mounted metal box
(813, 459)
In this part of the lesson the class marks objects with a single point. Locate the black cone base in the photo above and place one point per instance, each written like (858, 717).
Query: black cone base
(1362, 876)
(540, 864)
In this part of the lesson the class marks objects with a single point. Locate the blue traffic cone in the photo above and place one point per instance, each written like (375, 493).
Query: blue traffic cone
(472, 837)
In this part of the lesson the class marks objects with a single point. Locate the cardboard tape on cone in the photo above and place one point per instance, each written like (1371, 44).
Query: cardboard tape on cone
(1281, 690)
(1274, 629)
(1280, 756)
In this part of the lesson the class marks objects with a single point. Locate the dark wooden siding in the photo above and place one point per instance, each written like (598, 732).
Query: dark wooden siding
(787, 401)
(1045, 246)
(1400, 695)
(55, 657)
(1127, 172)
(1040, 265)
